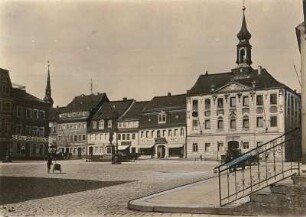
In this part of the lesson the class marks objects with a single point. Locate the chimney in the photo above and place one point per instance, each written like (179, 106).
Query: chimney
(169, 94)
(259, 70)
(124, 99)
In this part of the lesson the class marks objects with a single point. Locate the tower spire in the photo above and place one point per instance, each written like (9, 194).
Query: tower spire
(48, 98)
(244, 47)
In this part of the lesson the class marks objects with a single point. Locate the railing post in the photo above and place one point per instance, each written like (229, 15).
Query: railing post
(219, 173)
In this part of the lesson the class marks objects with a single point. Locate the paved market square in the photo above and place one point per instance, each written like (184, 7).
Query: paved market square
(93, 188)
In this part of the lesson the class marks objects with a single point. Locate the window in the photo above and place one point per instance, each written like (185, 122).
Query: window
(220, 146)
(19, 111)
(245, 122)
(123, 136)
(273, 99)
(245, 101)
(164, 132)
(84, 137)
(42, 115)
(220, 123)
(245, 145)
(76, 138)
(194, 105)
(169, 132)
(182, 131)
(119, 136)
(259, 100)
(220, 102)
(41, 131)
(207, 124)
(128, 136)
(109, 124)
(142, 134)
(152, 133)
(158, 133)
(175, 132)
(109, 150)
(35, 114)
(18, 148)
(133, 136)
(207, 104)
(101, 124)
(259, 122)
(34, 131)
(29, 113)
(207, 147)
(195, 147)
(195, 124)
(273, 121)
(147, 134)
(162, 117)
(233, 123)
(94, 125)
(233, 102)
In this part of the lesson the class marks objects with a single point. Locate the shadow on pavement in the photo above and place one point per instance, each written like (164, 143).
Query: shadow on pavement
(19, 189)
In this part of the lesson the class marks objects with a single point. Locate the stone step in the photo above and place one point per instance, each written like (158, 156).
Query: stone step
(289, 189)
(299, 180)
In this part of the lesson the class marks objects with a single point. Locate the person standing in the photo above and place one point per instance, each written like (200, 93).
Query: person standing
(49, 163)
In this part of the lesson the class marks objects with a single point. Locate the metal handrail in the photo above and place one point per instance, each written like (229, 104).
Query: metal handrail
(266, 173)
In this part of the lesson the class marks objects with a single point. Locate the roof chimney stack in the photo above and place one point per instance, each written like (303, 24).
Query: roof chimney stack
(124, 99)
(169, 94)
(259, 70)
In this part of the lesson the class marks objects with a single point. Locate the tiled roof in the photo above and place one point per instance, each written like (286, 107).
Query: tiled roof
(85, 103)
(53, 114)
(165, 103)
(22, 95)
(262, 81)
(5, 76)
(134, 112)
(107, 110)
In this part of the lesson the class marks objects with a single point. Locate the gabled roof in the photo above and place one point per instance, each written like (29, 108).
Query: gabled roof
(5, 76)
(85, 103)
(22, 95)
(109, 108)
(134, 112)
(262, 80)
(53, 114)
(165, 103)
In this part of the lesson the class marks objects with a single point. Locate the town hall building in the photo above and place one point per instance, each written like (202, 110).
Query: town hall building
(245, 105)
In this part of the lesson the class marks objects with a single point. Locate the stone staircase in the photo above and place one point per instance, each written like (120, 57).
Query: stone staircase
(281, 199)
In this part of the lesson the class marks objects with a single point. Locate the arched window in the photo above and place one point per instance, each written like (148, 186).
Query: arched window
(233, 122)
(242, 55)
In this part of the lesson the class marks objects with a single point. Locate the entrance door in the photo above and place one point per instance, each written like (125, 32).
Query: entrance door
(27, 150)
(79, 152)
(161, 151)
(90, 150)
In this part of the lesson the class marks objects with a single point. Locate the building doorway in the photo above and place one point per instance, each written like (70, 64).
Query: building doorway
(79, 152)
(161, 151)
(90, 150)
(27, 150)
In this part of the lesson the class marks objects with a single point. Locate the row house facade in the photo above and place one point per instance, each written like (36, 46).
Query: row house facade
(245, 105)
(73, 121)
(104, 125)
(162, 127)
(23, 121)
(6, 105)
(128, 127)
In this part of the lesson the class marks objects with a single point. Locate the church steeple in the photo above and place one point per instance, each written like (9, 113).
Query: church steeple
(48, 98)
(244, 58)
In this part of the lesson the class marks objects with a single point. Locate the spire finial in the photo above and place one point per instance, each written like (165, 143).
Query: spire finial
(243, 5)
(48, 65)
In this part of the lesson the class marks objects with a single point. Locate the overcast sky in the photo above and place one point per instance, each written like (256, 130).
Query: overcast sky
(140, 49)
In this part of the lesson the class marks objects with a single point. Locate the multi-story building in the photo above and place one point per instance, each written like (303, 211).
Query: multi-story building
(128, 127)
(163, 127)
(6, 105)
(245, 105)
(104, 125)
(73, 122)
(30, 125)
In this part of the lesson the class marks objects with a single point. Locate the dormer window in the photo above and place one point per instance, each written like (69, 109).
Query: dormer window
(101, 124)
(110, 124)
(162, 117)
(94, 125)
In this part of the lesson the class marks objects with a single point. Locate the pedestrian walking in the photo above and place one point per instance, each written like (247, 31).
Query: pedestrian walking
(49, 163)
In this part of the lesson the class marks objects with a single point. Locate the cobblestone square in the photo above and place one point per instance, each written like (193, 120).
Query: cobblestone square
(142, 178)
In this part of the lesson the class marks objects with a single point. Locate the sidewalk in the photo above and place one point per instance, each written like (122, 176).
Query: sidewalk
(199, 197)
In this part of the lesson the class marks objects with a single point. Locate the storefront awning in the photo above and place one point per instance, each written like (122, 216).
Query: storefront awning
(175, 145)
(123, 147)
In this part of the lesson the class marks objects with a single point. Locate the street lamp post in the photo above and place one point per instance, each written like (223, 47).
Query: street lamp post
(115, 152)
